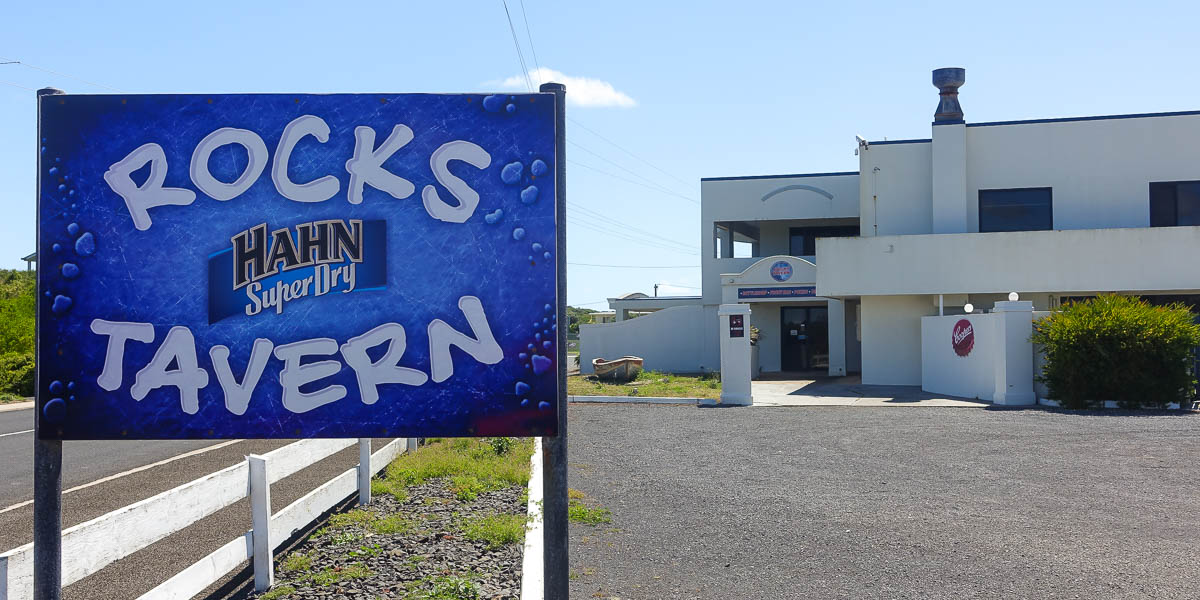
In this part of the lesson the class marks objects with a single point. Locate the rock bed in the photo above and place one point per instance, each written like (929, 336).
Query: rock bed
(432, 556)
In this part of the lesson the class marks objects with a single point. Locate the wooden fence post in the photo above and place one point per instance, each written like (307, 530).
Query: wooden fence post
(260, 510)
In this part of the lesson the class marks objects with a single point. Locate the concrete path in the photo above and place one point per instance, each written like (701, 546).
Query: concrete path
(849, 391)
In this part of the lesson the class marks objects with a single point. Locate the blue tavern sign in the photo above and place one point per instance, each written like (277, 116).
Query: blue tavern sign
(281, 266)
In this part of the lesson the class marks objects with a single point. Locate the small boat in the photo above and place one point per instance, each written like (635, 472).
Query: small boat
(625, 368)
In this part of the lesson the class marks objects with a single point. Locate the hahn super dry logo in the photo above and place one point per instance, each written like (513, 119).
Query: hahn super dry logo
(266, 270)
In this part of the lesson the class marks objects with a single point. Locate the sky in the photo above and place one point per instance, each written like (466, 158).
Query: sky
(660, 94)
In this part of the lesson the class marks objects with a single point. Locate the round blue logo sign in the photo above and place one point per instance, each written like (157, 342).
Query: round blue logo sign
(781, 271)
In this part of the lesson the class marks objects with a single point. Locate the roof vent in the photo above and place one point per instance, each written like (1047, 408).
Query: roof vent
(948, 81)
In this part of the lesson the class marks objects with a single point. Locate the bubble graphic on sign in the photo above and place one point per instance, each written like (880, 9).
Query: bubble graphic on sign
(539, 168)
(85, 245)
(529, 195)
(511, 173)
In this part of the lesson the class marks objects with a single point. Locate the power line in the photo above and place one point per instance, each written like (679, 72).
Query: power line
(627, 237)
(529, 35)
(635, 267)
(596, 215)
(621, 148)
(615, 176)
(657, 186)
(17, 86)
(520, 55)
(60, 74)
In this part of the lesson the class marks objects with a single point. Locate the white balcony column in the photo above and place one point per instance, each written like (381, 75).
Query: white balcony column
(735, 353)
(837, 337)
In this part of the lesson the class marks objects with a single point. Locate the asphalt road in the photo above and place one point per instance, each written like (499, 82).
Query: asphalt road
(86, 462)
(849, 502)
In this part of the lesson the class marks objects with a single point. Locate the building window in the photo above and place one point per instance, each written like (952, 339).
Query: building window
(802, 241)
(1174, 203)
(1025, 209)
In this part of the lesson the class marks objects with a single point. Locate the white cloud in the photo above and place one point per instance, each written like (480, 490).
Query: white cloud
(581, 91)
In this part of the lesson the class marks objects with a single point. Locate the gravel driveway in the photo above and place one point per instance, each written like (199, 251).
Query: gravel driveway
(885, 503)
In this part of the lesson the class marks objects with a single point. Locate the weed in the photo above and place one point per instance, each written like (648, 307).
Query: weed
(575, 494)
(366, 551)
(332, 575)
(346, 537)
(445, 588)
(496, 530)
(578, 512)
(278, 592)
(502, 445)
(295, 562)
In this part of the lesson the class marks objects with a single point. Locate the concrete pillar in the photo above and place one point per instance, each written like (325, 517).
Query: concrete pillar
(1014, 354)
(837, 338)
(621, 314)
(735, 353)
(950, 178)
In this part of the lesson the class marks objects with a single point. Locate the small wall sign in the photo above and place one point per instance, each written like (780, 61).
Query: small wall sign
(736, 326)
(781, 271)
(963, 337)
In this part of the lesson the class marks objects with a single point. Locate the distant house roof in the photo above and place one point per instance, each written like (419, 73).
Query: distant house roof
(31, 257)
(632, 296)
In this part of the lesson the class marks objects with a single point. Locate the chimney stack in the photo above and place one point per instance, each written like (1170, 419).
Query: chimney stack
(948, 81)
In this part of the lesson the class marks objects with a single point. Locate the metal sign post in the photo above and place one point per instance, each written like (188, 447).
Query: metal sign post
(556, 560)
(47, 474)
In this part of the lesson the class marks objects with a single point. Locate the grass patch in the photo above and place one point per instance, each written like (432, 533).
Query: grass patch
(496, 530)
(278, 592)
(472, 465)
(357, 517)
(295, 562)
(332, 575)
(380, 487)
(391, 524)
(578, 512)
(574, 494)
(9, 398)
(649, 383)
(346, 537)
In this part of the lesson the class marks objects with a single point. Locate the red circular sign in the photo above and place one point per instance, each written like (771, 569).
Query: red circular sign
(963, 337)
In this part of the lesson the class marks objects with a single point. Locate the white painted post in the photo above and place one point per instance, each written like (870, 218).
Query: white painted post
(735, 354)
(1014, 353)
(836, 321)
(364, 471)
(260, 511)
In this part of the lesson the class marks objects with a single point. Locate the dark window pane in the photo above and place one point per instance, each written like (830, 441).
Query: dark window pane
(803, 240)
(1162, 205)
(1188, 208)
(796, 246)
(1015, 210)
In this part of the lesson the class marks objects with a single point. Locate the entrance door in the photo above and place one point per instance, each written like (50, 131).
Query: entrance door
(805, 343)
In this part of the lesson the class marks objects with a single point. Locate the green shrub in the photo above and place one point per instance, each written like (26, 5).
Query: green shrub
(16, 373)
(1118, 348)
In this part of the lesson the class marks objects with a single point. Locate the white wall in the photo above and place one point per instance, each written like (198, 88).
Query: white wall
(740, 199)
(682, 339)
(897, 196)
(1088, 260)
(1100, 169)
(891, 339)
(945, 372)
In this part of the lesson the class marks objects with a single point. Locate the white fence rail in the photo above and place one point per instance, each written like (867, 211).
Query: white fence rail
(90, 546)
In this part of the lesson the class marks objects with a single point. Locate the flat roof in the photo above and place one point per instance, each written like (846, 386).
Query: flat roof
(886, 142)
(739, 177)
(1183, 113)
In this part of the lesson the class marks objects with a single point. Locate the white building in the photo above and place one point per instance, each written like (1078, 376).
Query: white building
(839, 268)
